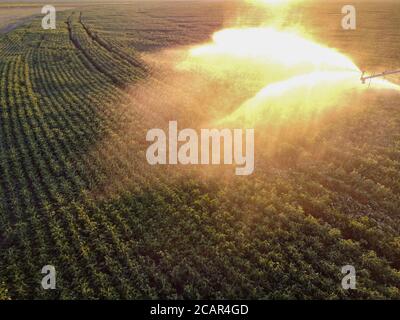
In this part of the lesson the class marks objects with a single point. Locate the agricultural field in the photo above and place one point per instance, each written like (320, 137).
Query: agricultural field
(77, 193)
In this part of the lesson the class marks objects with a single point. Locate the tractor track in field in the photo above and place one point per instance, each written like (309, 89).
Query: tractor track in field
(93, 63)
(103, 43)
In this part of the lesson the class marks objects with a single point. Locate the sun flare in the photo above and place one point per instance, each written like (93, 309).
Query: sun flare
(289, 68)
(268, 45)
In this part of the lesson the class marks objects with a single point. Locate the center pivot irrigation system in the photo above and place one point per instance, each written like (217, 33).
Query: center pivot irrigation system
(365, 78)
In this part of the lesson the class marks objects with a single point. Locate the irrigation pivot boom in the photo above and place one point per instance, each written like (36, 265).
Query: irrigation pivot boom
(365, 78)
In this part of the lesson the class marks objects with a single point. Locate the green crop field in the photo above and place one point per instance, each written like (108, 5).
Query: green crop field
(77, 193)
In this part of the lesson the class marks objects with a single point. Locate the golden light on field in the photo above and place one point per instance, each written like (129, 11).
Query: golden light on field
(300, 97)
(273, 2)
(268, 45)
(291, 74)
